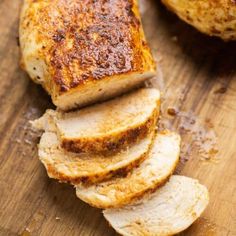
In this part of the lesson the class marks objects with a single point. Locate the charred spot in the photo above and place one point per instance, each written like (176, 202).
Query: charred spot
(215, 31)
(121, 61)
(58, 78)
(59, 36)
(229, 29)
(144, 43)
(111, 146)
(132, 18)
(74, 83)
(102, 60)
(189, 18)
(71, 146)
(128, 9)
(56, 61)
(84, 179)
(85, 77)
(135, 133)
(121, 39)
(123, 172)
(63, 88)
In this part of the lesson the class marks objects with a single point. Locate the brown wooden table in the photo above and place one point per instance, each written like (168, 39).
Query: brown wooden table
(199, 74)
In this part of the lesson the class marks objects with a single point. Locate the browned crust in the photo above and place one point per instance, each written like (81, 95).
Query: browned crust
(106, 39)
(95, 178)
(114, 142)
(148, 191)
(130, 199)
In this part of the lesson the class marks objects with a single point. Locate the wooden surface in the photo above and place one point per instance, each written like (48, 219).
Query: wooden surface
(194, 67)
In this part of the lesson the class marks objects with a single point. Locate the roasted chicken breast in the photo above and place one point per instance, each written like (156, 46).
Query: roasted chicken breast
(83, 51)
(212, 17)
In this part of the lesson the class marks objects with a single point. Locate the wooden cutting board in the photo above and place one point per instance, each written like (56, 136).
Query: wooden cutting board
(199, 81)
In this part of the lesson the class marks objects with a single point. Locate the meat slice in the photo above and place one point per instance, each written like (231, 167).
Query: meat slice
(83, 51)
(106, 127)
(151, 174)
(168, 211)
(88, 168)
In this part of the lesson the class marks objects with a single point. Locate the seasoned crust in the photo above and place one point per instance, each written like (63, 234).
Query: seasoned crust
(129, 199)
(77, 44)
(212, 17)
(88, 169)
(154, 171)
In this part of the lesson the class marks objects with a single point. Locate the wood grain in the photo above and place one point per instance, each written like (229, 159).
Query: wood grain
(196, 65)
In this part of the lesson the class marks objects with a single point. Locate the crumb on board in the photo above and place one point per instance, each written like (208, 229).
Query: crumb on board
(172, 111)
(26, 232)
(174, 38)
(220, 90)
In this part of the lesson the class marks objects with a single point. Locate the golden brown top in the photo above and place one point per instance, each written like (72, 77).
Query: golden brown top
(85, 40)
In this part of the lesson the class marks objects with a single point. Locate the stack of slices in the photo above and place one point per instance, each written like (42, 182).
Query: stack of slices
(118, 161)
